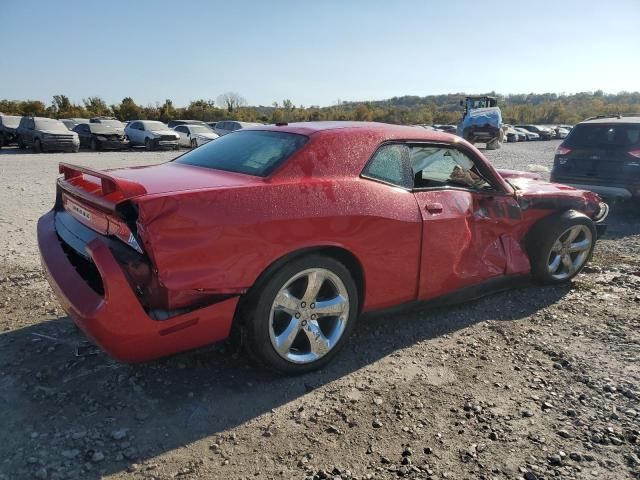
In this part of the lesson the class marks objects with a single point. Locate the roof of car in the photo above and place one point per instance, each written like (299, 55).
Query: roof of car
(395, 131)
(614, 119)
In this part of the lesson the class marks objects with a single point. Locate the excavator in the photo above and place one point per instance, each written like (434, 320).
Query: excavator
(481, 121)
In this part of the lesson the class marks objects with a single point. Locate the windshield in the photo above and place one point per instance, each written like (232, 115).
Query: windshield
(602, 135)
(200, 129)
(155, 126)
(50, 124)
(254, 152)
(112, 123)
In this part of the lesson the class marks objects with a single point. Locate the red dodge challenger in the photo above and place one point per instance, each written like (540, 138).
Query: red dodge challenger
(289, 232)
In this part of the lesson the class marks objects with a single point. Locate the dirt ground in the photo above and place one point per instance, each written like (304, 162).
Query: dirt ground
(535, 382)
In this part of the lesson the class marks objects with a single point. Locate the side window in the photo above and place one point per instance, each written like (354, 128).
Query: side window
(235, 126)
(181, 129)
(434, 166)
(390, 164)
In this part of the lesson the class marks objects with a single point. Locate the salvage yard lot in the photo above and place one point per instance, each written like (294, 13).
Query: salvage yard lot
(537, 382)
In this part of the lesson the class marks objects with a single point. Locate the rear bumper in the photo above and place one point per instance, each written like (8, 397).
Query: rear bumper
(116, 321)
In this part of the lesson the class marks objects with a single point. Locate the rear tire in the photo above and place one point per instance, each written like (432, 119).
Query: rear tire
(314, 339)
(147, 144)
(94, 145)
(37, 146)
(194, 143)
(560, 246)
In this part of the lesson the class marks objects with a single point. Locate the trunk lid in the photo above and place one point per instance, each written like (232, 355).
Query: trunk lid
(96, 198)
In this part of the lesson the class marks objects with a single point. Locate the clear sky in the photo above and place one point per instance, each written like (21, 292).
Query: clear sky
(314, 52)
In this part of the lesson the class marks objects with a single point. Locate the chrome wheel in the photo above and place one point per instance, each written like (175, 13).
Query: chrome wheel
(570, 252)
(309, 315)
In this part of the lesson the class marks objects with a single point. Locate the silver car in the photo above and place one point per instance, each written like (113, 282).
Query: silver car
(228, 126)
(194, 135)
(152, 134)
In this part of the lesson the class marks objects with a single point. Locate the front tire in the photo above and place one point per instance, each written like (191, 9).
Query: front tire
(297, 319)
(37, 146)
(148, 145)
(560, 246)
(494, 144)
(94, 145)
(194, 143)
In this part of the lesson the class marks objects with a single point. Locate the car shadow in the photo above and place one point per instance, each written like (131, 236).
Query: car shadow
(47, 392)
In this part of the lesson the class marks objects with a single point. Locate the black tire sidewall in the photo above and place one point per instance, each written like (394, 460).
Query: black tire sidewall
(37, 146)
(256, 310)
(544, 234)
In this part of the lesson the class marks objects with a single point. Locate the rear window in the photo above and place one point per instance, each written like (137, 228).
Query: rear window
(253, 152)
(603, 135)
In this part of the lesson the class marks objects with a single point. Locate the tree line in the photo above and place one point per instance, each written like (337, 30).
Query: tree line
(546, 108)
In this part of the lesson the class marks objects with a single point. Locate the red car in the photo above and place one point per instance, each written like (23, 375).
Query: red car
(290, 232)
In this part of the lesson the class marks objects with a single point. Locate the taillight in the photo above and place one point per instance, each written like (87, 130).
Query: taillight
(562, 150)
(635, 153)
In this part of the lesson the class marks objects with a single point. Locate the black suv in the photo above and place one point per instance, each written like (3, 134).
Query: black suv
(602, 154)
(544, 132)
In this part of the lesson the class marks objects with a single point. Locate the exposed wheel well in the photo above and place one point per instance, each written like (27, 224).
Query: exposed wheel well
(342, 255)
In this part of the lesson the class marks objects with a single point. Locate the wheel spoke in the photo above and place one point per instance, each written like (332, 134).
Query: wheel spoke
(334, 307)
(568, 263)
(557, 246)
(286, 302)
(573, 234)
(580, 246)
(286, 338)
(553, 266)
(315, 280)
(320, 344)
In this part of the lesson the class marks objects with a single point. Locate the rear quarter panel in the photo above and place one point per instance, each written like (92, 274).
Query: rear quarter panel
(221, 240)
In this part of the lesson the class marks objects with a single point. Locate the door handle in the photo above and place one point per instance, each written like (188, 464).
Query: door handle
(433, 208)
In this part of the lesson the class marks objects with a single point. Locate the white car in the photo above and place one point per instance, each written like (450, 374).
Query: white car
(152, 134)
(561, 132)
(194, 135)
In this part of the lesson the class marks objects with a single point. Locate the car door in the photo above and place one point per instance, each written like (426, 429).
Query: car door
(134, 133)
(185, 135)
(29, 131)
(469, 220)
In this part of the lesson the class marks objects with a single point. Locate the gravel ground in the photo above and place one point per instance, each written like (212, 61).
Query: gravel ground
(535, 383)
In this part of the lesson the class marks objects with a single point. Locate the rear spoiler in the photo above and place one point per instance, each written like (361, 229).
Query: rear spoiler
(105, 195)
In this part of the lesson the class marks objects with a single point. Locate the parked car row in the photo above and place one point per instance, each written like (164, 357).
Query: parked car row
(107, 133)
